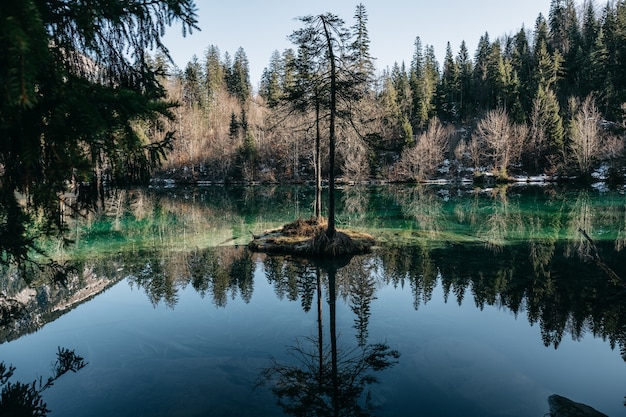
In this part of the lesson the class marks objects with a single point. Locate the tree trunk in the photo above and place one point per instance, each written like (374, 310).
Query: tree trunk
(318, 164)
(332, 300)
(330, 230)
(320, 329)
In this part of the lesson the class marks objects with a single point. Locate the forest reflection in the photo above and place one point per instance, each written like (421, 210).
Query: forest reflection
(513, 247)
(214, 216)
(216, 273)
(329, 378)
(563, 294)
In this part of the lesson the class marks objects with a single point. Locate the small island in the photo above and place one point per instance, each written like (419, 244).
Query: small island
(311, 238)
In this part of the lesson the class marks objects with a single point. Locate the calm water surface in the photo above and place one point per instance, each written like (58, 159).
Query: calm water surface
(477, 303)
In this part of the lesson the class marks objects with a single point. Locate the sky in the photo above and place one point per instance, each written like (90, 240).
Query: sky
(262, 27)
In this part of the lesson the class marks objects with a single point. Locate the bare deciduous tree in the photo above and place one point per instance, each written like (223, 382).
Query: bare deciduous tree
(585, 146)
(355, 161)
(536, 149)
(499, 141)
(421, 160)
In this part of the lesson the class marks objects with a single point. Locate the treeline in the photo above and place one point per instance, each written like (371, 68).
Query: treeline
(549, 100)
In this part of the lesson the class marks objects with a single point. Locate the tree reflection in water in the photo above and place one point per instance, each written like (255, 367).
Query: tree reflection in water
(25, 400)
(218, 273)
(324, 379)
(516, 249)
(541, 279)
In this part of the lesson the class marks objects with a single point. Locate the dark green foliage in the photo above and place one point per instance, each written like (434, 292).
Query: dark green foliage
(238, 77)
(464, 63)
(360, 47)
(480, 87)
(213, 72)
(25, 400)
(234, 128)
(249, 151)
(193, 93)
(71, 105)
(215, 273)
(449, 88)
(522, 64)
(552, 121)
(270, 88)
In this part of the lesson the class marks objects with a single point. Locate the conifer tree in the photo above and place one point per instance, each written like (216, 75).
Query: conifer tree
(238, 79)
(402, 84)
(547, 67)
(335, 38)
(270, 85)
(480, 77)
(552, 126)
(416, 78)
(588, 62)
(363, 61)
(431, 80)
(563, 22)
(616, 45)
(213, 72)
(193, 93)
(328, 65)
(308, 91)
(465, 65)
(566, 39)
(423, 80)
(388, 98)
(448, 102)
(497, 78)
(234, 128)
(391, 132)
(288, 75)
(522, 64)
(541, 34)
(74, 82)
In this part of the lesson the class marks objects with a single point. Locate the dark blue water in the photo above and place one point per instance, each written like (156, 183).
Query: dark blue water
(194, 358)
(490, 325)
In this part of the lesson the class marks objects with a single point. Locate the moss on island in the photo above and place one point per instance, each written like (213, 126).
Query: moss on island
(309, 238)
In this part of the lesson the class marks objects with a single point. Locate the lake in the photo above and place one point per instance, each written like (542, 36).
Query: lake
(477, 302)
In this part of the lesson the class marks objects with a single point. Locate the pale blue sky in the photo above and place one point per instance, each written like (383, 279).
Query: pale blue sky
(261, 27)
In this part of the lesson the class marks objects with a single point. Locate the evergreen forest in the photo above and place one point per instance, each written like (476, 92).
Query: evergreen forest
(547, 102)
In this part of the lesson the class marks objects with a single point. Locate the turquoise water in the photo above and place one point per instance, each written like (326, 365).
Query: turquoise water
(485, 298)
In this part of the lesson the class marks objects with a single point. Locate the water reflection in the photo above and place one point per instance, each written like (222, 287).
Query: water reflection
(517, 249)
(425, 207)
(329, 379)
(563, 295)
(356, 204)
(216, 273)
(26, 400)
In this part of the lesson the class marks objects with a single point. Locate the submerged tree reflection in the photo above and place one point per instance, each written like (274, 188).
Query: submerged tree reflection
(324, 379)
(515, 248)
(216, 272)
(308, 388)
(566, 296)
(25, 400)
(563, 294)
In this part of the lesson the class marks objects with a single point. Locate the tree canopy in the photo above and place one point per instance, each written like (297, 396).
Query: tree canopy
(78, 100)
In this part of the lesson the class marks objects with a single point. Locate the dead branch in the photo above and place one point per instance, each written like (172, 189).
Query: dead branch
(595, 257)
